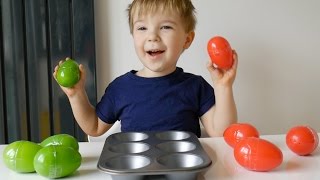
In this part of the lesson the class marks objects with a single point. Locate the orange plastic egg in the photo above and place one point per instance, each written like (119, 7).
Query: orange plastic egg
(257, 154)
(302, 140)
(238, 131)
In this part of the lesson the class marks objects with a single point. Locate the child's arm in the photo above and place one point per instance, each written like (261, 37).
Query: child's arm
(83, 111)
(224, 112)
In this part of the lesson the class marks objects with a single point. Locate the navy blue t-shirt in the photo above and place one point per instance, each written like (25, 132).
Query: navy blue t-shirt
(172, 102)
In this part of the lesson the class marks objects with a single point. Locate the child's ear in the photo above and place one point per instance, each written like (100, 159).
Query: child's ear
(189, 39)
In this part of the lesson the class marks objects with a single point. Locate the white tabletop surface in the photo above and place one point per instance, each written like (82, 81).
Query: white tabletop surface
(224, 165)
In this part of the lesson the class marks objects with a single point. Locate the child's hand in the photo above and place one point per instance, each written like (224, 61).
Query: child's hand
(222, 77)
(70, 91)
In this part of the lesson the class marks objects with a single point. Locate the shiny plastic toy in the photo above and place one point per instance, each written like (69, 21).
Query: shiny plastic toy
(18, 156)
(68, 73)
(302, 140)
(56, 161)
(257, 154)
(220, 52)
(61, 139)
(238, 131)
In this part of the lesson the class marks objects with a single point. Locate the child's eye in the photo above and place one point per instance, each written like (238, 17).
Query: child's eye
(141, 28)
(166, 27)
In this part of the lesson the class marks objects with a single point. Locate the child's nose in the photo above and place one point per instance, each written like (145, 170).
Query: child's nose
(153, 36)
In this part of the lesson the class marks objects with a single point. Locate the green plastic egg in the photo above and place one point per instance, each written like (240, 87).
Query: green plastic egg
(61, 139)
(18, 156)
(68, 73)
(57, 161)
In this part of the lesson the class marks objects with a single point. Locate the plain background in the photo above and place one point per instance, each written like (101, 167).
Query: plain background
(277, 85)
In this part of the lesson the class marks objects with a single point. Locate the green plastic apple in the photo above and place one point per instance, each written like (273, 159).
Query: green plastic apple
(18, 156)
(61, 139)
(56, 161)
(68, 73)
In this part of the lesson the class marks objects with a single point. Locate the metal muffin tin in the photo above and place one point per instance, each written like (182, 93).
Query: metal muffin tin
(167, 155)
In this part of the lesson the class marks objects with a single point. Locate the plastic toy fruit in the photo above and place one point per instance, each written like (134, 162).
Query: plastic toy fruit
(238, 131)
(61, 139)
(302, 140)
(220, 52)
(68, 73)
(18, 156)
(257, 154)
(57, 161)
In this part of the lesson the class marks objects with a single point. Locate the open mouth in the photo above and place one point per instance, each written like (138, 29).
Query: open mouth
(154, 52)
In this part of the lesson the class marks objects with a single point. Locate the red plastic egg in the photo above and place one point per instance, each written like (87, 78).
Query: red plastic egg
(302, 140)
(238, 131)
(220, 52)
(257, 154)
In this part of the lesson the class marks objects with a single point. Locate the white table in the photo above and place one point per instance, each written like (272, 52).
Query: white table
(224, 167)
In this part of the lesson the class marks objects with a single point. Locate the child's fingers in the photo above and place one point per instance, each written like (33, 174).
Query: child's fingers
(55, 71)
(213, 70)
(55, 75)
(81, 68)
(235, 54)
(235, 60)
(56, 68)
(235, 57)
(210, 66)
(60, 62)
(82, 71)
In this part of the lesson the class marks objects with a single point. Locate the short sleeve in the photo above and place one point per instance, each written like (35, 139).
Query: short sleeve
(206, 95)
(106, 108)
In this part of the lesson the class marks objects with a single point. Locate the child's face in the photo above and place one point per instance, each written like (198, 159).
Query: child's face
(159, 40)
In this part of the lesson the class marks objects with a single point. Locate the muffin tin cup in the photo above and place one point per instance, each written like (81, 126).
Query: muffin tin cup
(139, 155)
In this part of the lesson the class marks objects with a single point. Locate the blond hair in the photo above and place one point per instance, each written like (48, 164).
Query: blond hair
(184, 8)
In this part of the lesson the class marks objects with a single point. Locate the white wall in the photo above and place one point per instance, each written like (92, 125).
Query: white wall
(277, 41)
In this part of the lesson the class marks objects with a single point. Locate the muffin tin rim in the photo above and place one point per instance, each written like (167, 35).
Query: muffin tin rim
(154, 167)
